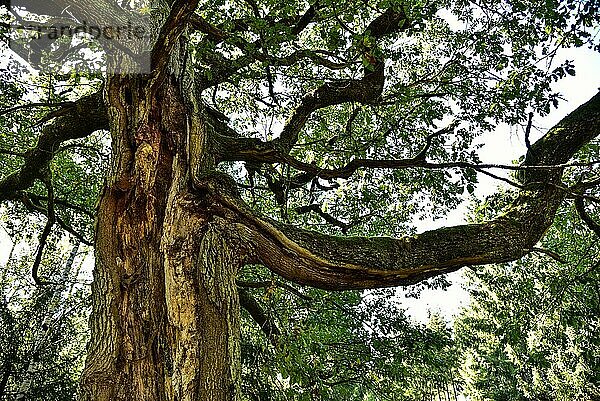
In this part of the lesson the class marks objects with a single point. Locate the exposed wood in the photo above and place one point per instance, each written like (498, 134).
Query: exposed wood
(164, 283)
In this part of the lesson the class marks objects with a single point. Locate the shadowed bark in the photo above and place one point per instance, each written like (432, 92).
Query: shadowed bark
(70, 122)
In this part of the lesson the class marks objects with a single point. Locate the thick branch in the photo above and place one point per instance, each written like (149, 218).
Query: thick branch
(180, 13)
(365, 90)
(331, 262)
(77, 121)
(257, 151)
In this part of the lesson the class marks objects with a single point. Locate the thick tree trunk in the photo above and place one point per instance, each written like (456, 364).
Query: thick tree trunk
(165, 320)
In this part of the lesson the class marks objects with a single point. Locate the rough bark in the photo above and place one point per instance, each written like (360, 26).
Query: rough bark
(165, 320)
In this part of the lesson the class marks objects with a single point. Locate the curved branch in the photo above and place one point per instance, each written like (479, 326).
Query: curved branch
(79, 120)
(61, 202)
(331, 262)
(44, 235)
(216, 34)
(257, 151)
(32, 204)
(365, 90)
(552, 254)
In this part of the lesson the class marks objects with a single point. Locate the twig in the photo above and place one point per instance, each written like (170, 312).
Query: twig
(548, 252)
(528, 131)
(11, 153)
(267, 284)
(429, 140)
(32, 105)
(316, 208)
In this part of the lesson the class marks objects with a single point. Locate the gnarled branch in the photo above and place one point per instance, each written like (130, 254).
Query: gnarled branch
(331, 262)
(79, 120)
(365, 90)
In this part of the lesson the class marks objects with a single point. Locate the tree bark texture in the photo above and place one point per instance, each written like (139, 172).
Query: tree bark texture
(165, 321)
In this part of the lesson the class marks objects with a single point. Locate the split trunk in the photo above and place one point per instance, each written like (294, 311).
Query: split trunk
(165, 321)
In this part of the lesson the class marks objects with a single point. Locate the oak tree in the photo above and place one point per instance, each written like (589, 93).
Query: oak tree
(238, 127)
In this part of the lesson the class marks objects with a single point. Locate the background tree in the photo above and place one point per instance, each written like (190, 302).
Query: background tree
(43, 330)
(346, 346)
(258, 120)
(531, 331)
